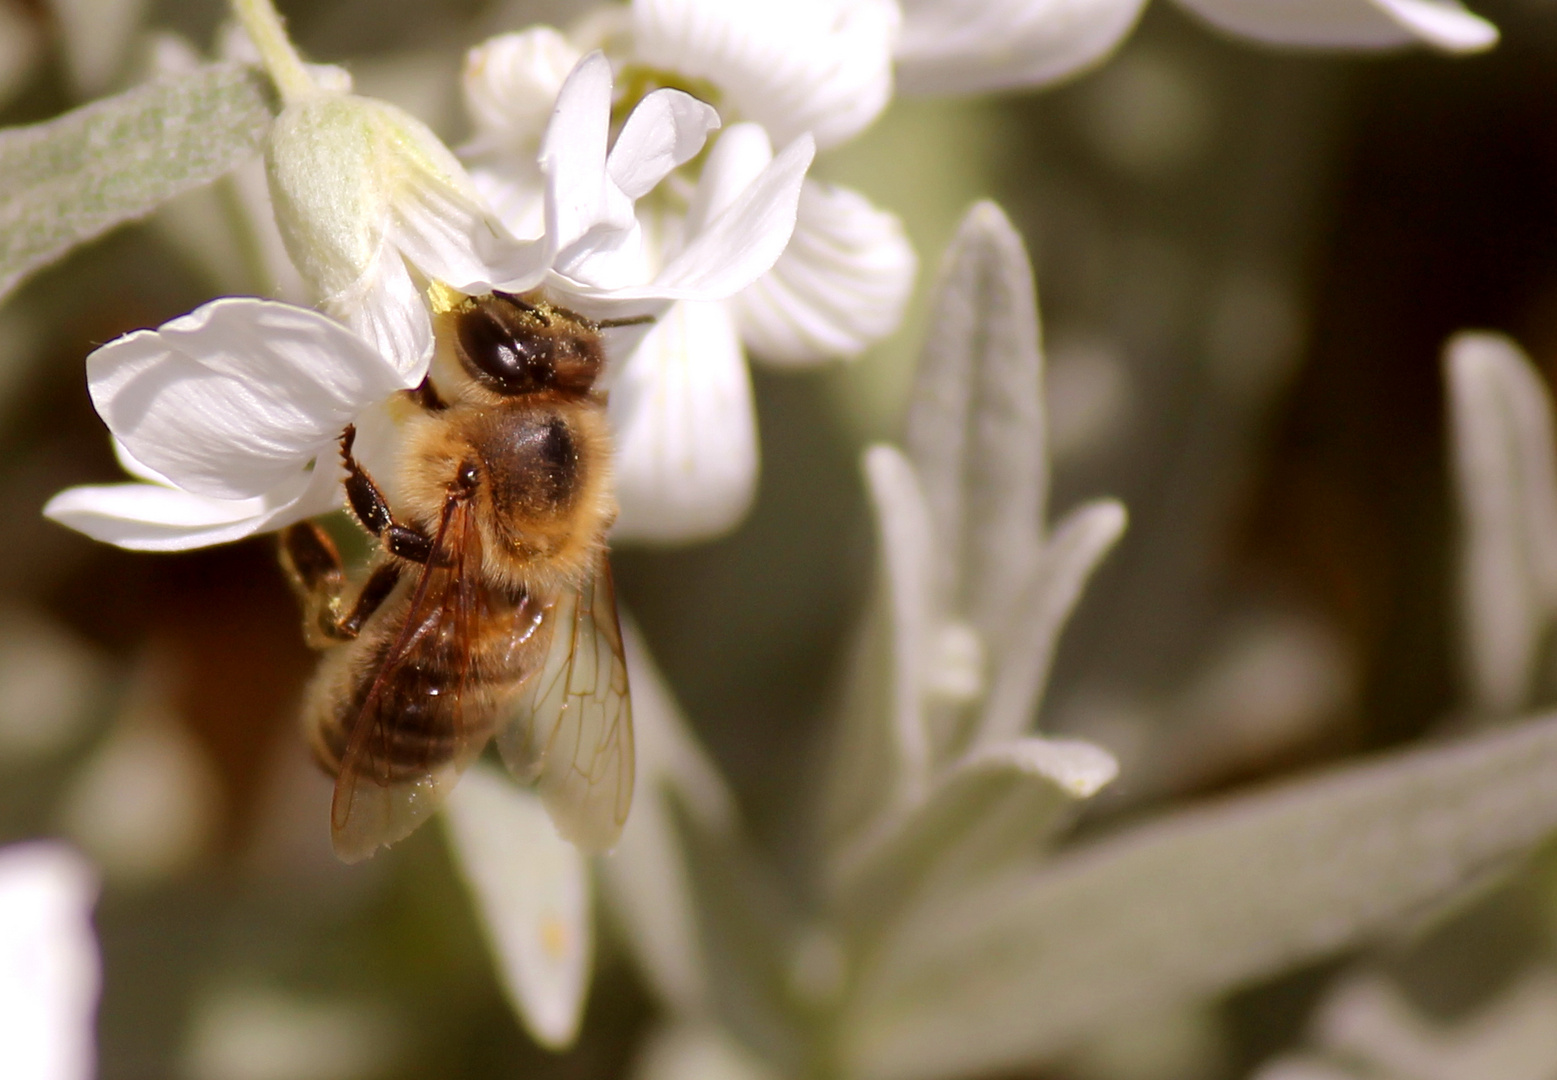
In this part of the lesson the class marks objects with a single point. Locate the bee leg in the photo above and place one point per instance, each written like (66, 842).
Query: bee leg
(372, 509)
(370, 598)
(313, 566)
(426, 395)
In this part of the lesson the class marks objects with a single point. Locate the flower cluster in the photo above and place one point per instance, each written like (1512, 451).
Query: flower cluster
(682, 407)
(227, 415)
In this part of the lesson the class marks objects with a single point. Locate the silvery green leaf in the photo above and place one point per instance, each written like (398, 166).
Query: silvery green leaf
(646, 878)
(985, 813)
(882, 757)
(1026, 650)
(73, 178)
(531, 889)
(1501, 417)
(976, 421)
(693, 1051)
(96, 36)
(1513, 1037)
(1193, 904)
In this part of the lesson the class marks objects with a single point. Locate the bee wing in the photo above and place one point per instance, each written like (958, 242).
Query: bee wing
(372, 807)
(571, 729)
(379, 815)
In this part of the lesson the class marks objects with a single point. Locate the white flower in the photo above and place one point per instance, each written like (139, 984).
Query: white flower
(818, 66)
(372, 207)
(49, 968)
(973, 46)
(229, 415)
(687, 456)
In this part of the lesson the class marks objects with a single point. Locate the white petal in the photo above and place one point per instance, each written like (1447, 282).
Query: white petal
(1357, 24)
(388, 310)
(839, 286)
(150, 517)
(353, 180)
(974, 46)
(666, 130)
(580, 198)
(818, 66)
(737, 159)
(234, 399)
(445, 232)
(511, 84)
(745, 239)
(515, 190)
(531, 889)
(686, 444)
(49, 966)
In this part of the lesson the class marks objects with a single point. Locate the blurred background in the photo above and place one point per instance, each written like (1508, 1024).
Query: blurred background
(1248, 262)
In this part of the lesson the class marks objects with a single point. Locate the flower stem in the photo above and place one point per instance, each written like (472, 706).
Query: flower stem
(286, 68)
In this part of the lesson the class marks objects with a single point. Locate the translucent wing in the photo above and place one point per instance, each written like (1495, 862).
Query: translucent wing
(571, 729)
(414, 732)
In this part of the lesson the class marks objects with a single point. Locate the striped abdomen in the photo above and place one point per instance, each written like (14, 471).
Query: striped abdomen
(437, 698)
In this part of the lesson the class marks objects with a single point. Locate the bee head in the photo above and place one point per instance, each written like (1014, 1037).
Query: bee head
(515, 346)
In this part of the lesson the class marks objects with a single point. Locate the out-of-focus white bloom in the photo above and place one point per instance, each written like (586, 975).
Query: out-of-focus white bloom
(818, 66)
(147, 801)
(531, 889)
(973, 46)
(49, 967)
(687, 459)
(228, 415)
(1503, 447)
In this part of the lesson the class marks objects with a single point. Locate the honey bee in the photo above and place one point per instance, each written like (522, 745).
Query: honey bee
(488, 610)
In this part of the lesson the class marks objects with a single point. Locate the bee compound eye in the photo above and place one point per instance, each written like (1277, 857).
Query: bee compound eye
(503, 352)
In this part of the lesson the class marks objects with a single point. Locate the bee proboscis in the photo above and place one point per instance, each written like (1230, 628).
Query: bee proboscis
(488, 611)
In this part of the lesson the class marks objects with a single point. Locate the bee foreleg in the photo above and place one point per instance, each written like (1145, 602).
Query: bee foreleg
(372, 509)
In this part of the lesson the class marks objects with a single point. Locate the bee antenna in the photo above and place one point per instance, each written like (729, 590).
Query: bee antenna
(632, 320)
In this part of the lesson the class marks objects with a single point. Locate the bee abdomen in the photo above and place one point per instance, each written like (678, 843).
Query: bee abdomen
(426, 709)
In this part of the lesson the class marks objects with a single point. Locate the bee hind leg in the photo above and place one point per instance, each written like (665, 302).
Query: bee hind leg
(372, 509)
(313, 565)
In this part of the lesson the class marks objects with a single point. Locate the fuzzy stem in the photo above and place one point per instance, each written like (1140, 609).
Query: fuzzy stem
(269, 35)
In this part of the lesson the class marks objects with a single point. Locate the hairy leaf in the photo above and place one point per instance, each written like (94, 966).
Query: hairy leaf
(73, 178)
(1194, 904)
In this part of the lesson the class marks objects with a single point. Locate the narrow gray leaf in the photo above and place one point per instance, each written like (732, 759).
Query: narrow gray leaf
(1195, 904)
(1027, 649)
(976, 420)
(988, 811)
(881, 760)
(73, 178)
